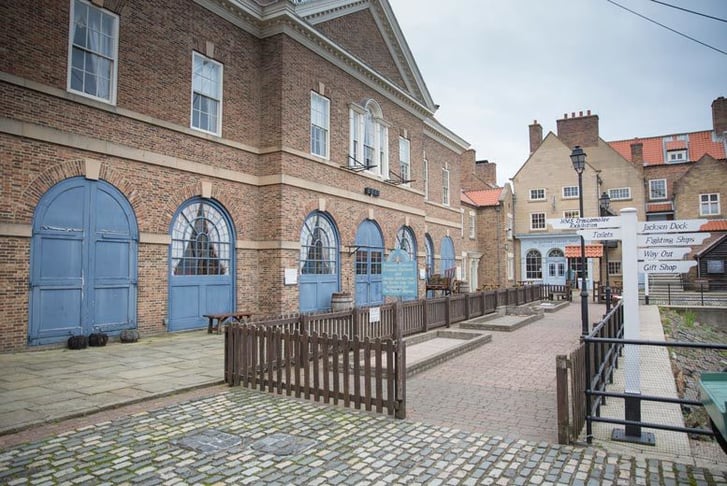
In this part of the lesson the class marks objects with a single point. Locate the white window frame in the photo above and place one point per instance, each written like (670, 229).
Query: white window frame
(614, 267)
(574, 192)
(715, 266)
(534, 193)
(712, 204)
(617, 193)
(652, 184)
(532, 221)
(508, 226)
(207, 94)
(676, 156)
(379, 138)
(510, 266)
(405, 160)
(113, 57)
(445, 186)
(426, 179)
(573, 213)
(320, 122)
(473, 220)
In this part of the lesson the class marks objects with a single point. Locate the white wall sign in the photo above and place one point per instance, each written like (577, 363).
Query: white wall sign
(600, 234)
(375, 314)
(585, 223)
(291, 276)
(676, 226)
(675, 239)
(675, 266)
(666, 253)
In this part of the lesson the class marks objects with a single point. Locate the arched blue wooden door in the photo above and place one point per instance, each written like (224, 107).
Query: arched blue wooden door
(369, 258)
(319, 254)
(447, 260)
(406, 241)
(83, 262)
(201, 264)
(556, 268)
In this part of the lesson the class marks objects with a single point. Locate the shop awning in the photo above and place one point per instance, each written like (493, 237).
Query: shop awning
(592, 251)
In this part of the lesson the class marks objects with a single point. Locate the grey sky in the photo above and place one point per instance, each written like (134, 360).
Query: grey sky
(494, 66)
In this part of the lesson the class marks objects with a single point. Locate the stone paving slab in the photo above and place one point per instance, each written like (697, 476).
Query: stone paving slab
(241, 436)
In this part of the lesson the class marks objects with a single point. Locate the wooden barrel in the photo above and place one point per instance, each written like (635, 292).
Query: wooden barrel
(341, 301)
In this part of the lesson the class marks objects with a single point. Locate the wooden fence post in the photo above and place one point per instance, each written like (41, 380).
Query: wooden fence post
(425, 315)
(561, 390)
(448, 310)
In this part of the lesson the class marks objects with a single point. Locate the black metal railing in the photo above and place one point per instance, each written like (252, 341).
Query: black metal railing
(602, 347)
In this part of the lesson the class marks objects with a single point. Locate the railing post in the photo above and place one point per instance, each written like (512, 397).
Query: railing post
(425, 315)
(668, 292)
(701, 292)
(587, 391)
(561, 387)
(448, 310)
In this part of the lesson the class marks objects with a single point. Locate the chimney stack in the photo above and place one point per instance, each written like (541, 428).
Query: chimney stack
(536, 136)
(578, 130)
(486, 171)
(719, 115)
(637, 153)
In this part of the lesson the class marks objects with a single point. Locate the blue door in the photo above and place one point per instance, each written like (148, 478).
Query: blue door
(369, 257)
(83, 262)
(319, 251)
(447, 261)
(556, 268)
(201, 265)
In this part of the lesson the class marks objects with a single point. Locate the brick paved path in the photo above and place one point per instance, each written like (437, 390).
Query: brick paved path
(230, 438)
(505, 387)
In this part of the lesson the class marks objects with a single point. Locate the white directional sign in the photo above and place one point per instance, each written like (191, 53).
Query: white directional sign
(678, 266)
(666, 253)
(676, 226)
(672, 239)
(600, 234)
(585, 223)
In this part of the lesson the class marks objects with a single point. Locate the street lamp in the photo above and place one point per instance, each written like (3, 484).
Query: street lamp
(578, 158)
(604, 203)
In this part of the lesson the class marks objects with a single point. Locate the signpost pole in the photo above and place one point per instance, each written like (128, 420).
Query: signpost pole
(632, 330)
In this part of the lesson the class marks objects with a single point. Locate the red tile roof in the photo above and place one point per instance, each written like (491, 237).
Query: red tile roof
(714, 225)
(654, 148)
(659, 207)
(592, 251)
(488, 197)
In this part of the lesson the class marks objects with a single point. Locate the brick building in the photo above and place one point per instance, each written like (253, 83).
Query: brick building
(675, 176)
(488, 218)
(546, 187)
(164, 160)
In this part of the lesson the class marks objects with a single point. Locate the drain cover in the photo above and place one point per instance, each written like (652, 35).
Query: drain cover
(209, 441)
(282, 444)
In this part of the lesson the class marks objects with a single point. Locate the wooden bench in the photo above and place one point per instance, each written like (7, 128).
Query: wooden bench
(236, 316)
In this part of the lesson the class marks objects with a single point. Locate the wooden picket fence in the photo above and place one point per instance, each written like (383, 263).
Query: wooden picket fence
(368, 373)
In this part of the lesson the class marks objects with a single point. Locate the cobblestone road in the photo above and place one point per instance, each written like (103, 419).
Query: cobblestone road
(240, 436)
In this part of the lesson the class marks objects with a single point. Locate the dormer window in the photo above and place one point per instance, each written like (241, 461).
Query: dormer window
(676, 156)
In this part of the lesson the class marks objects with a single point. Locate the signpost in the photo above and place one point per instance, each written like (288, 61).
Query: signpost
(647, 247)
(585, 223)
(600, 234)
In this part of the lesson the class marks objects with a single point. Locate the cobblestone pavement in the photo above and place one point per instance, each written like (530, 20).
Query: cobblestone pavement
(239, 436)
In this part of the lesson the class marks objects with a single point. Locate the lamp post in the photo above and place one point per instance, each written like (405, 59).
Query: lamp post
(604, 203)
(578, 158)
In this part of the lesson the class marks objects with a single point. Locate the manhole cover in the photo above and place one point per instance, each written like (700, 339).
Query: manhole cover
(209, 441)
(282, 444)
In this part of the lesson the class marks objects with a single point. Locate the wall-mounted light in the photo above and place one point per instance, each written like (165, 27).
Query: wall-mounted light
(370, 191)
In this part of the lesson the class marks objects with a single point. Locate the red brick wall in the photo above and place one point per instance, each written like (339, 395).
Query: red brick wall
(266, 106)
(578, 130)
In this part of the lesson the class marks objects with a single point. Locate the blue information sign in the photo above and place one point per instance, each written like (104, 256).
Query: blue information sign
(400, 275)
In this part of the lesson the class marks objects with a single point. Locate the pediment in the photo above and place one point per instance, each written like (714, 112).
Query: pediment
(368, 31)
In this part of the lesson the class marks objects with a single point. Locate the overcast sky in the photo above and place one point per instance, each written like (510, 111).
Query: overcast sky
(494, 66)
